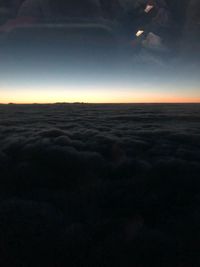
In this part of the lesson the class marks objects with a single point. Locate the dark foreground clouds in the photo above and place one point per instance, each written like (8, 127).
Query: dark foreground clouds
(99, 185)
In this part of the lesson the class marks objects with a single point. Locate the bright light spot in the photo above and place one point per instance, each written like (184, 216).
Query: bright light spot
(139, 33)
(148, 8)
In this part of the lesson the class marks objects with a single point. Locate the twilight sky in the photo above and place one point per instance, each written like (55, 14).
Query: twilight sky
(96, 74)
(103, 62)
(98, 84)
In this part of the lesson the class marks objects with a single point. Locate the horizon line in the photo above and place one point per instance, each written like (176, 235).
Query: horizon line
(94, 103)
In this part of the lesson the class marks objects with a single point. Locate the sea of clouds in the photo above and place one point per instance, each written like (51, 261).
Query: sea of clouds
(99, 185)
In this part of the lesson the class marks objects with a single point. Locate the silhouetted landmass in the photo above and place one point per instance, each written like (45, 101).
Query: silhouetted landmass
(99, 185)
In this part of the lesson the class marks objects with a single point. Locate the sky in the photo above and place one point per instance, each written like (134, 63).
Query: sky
(98, 95)
(97, 64)
(92, 85)
(96, 74)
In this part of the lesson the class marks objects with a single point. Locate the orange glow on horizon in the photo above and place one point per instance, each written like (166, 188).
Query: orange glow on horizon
(93, 96)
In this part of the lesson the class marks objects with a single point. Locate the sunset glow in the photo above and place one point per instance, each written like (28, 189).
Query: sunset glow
(95, 96)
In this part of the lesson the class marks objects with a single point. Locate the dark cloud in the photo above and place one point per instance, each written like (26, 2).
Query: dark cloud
(82, 189)
(30, 233)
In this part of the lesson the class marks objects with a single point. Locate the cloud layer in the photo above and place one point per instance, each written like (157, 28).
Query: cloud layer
(99, 185)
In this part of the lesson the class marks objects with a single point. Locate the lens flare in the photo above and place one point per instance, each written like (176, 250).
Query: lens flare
(139, 33)
(148, 8)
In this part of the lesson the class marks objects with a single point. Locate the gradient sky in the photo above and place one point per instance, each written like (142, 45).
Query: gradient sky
(104, 80)
(80, 63)
(110, 86)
